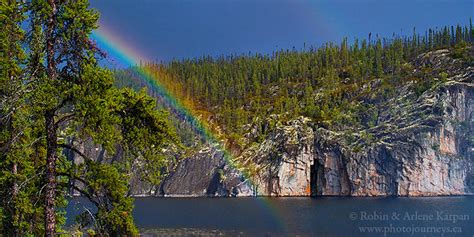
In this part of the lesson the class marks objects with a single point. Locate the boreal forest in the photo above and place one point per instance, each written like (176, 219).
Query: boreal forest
(339, 86)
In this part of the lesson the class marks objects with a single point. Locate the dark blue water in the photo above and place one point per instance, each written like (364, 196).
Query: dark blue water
(434, 216)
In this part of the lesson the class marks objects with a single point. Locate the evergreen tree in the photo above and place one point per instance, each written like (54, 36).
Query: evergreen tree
(16, 128)
(57, 93)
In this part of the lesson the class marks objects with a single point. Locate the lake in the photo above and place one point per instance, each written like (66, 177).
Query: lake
(320, 216)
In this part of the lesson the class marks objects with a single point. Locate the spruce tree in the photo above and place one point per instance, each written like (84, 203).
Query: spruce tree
(57, 93)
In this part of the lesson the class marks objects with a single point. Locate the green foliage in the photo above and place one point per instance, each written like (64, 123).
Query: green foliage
(115, 213)
(19, 168)
(443, 76)
(327, 84)
(53, 96)
(461, 50)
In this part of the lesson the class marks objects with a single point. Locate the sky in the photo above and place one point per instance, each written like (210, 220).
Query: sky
(176, 29)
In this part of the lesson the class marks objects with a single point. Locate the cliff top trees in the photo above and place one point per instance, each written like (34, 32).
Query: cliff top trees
(246, 87)
(55, 93)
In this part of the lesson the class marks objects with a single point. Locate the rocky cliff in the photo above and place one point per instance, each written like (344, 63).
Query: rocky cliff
(421, 145)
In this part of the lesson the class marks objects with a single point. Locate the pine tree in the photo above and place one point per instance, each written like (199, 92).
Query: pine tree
(378, 68)
(471, 30)
(55, 93)
(15, 127)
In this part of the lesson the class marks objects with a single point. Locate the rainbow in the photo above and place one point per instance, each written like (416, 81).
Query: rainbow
(123, 55)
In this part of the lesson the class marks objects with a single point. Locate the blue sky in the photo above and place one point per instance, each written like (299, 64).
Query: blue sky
(163, 30)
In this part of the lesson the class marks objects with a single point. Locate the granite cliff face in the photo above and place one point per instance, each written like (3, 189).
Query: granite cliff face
(207, 173)
(421, 145)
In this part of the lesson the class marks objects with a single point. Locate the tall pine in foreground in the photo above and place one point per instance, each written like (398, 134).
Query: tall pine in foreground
(54, 93)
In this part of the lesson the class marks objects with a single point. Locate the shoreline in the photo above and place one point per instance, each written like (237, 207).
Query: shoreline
(315, 197)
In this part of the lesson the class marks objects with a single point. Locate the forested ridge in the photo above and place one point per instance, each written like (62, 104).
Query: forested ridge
(330, 84)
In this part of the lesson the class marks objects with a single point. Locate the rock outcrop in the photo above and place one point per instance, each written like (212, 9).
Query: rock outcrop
(421, 145)
(206, 173)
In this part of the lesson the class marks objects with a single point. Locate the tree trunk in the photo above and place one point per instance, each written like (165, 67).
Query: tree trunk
(15, 214)
(51, 136)
(14, 170)
(50, 197)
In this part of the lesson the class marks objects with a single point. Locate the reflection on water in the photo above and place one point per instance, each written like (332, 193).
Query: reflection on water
(434, 216)
(187, 232)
